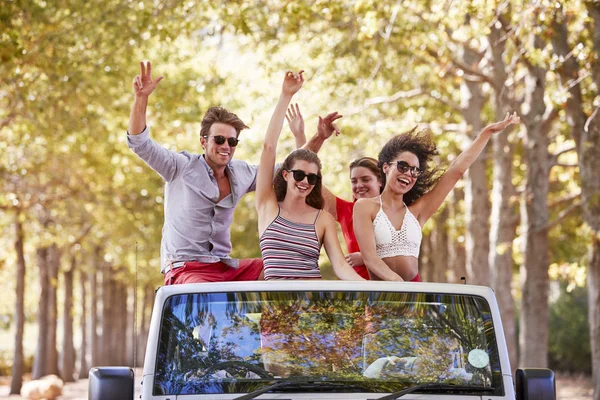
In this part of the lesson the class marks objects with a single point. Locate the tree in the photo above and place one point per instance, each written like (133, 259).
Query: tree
(39, 363)
(18, 361)
(537, 120)
(477, 201)
(67, 370)
(585, 130)
(83, 352)
(503, 221)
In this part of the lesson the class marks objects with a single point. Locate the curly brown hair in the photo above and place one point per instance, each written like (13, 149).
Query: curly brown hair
(220, 114)
(315, 197)
(421, 144)
(371, 164)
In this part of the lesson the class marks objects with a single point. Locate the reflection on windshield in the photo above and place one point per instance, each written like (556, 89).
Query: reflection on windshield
(240, 342)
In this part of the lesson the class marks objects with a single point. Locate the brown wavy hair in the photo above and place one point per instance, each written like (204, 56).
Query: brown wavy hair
(220, 114)
(371, 164)
(315, 197)
(421, 144)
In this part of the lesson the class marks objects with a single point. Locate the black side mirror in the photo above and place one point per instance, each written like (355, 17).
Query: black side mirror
(535, 384)
(115, 383)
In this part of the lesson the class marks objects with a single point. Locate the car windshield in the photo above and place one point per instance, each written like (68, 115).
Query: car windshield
(376, 342)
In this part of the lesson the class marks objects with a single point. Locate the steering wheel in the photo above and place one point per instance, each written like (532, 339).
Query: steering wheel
(237, 369)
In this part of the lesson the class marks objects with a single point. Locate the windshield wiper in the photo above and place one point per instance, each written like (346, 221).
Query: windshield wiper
(300, 383)
(438, 387)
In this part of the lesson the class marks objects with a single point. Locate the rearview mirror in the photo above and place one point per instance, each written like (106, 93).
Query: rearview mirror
(115, 383)
(535, 383)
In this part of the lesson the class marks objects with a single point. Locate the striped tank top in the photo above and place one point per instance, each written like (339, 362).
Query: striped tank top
(290, 250)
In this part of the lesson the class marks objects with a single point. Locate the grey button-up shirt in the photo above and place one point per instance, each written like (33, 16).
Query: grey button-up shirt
(197, 225)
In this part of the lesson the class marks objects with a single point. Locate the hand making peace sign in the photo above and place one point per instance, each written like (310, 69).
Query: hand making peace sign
(143, 85)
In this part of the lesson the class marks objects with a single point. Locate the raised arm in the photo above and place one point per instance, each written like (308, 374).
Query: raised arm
(342, 269)
(325, 128)
(430, 202)
(265, 195)
(365, 235)
(143, 86)
(296, 123)
(169, 164)
(329, 202)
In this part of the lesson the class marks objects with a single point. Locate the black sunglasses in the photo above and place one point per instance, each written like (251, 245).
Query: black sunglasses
(299, 176)
(404, 167)
(221, 139)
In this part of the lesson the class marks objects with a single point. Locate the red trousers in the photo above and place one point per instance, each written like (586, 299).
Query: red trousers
(197, 272)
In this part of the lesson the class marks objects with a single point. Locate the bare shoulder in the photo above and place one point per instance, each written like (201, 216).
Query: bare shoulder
(325, 225)
(366, 206)
(326, 218)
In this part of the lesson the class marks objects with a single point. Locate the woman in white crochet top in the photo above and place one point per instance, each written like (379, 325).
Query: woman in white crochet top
(388, 228)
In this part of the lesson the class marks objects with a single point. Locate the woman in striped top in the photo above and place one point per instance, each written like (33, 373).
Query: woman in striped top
(365, 182)
(291, 223)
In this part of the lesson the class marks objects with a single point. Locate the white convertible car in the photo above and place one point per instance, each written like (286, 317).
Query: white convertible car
(300, 340)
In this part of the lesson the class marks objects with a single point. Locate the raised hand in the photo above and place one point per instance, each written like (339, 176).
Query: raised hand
(292, 82)
(143, 85)
(326, 126)
(509, 119)
(295, 120)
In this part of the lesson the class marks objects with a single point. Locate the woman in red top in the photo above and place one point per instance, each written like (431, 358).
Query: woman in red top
(365, 182)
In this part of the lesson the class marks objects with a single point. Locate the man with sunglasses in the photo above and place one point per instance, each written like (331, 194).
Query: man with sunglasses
(201, 192)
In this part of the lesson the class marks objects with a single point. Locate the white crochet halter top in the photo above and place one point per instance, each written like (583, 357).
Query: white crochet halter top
(389, 242)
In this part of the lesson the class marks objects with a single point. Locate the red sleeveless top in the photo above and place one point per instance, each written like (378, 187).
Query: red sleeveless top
(344, 217)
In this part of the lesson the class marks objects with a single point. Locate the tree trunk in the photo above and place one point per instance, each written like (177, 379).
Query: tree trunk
(119, 335)
(94, 300)
(503, 223)
(141, 334)
(39, 361)
(586, 133)
(123, 336)
(477, 210)
(590, 165)
(594, 305)
(456, 242)
(83, 364)
(425, 267)
(51, 350)
(68, 349)
(533, 336)
(107, 319)
(147, 305)
(115, 325)
(502, 234)
(132, 325)
(439, 256)
(477, 203)
(18, 362)
(113, 335)
(128, 324)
